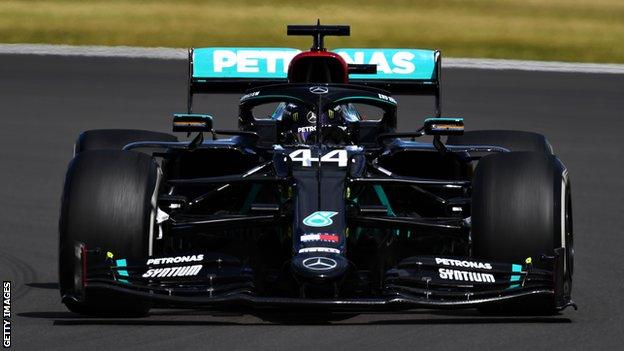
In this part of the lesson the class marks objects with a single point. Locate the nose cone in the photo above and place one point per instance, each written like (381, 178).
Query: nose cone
(319, 266)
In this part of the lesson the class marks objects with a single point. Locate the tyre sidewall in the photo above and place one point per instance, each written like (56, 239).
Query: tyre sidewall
(101, 209)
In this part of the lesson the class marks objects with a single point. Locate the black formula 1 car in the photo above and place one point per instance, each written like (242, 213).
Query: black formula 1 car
(316, 201)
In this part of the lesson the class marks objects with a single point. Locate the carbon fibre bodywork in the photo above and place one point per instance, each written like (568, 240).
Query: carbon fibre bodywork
(358, 217)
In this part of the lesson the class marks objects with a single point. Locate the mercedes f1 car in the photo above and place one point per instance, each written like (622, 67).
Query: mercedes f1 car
(316, 201)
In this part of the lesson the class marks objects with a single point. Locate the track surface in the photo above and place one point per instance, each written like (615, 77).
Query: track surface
(46, 101)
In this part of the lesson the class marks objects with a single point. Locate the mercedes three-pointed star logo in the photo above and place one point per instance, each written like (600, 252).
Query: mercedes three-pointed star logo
(319, 90)
(319, 263)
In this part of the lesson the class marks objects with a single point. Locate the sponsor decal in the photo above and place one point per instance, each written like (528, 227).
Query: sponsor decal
(247, 96)
(224, 62)
(319, 263)
(304, 156)
(460, 263)
(387, 98)
(183, 271)
(319, 90)
(6, 314)
(311, 117)
(319, 249)
(453, 274)
(392, 63)
(177, 259)
(306, 129)
(319, 219)
(332, 238)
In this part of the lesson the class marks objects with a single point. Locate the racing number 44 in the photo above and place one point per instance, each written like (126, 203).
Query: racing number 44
(305, 157)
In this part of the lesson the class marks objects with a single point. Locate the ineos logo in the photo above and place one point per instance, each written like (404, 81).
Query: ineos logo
(319, 263)
(319, 90)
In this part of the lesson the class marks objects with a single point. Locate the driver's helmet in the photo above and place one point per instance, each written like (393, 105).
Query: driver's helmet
(302, 121)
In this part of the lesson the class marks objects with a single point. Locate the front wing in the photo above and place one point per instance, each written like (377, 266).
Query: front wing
(217, 281)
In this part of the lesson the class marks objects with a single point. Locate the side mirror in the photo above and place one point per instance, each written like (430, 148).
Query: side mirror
(183, 122)
(444, 126)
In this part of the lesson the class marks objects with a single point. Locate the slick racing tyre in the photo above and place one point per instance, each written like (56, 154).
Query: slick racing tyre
(521, 207)
(116, 139)
(107, 203)
(513, 140)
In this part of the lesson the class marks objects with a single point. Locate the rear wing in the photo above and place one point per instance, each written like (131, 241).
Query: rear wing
(234, 70)
(400, 71)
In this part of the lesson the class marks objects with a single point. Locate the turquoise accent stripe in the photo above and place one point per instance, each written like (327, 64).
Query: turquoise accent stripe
(515, 278)
(444, 119)
(182, 115)
(383, 198)
(253, 192)
(271, 96)
(365, 98)
(122, 263)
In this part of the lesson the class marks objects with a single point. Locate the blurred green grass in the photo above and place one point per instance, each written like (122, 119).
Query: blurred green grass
(561, 30)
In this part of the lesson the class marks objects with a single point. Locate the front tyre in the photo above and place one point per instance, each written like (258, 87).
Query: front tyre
(107, 203)
(521, 207)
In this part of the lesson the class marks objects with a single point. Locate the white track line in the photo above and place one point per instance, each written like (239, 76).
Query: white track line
(181, 54)
(95, 51)
(542, 66)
